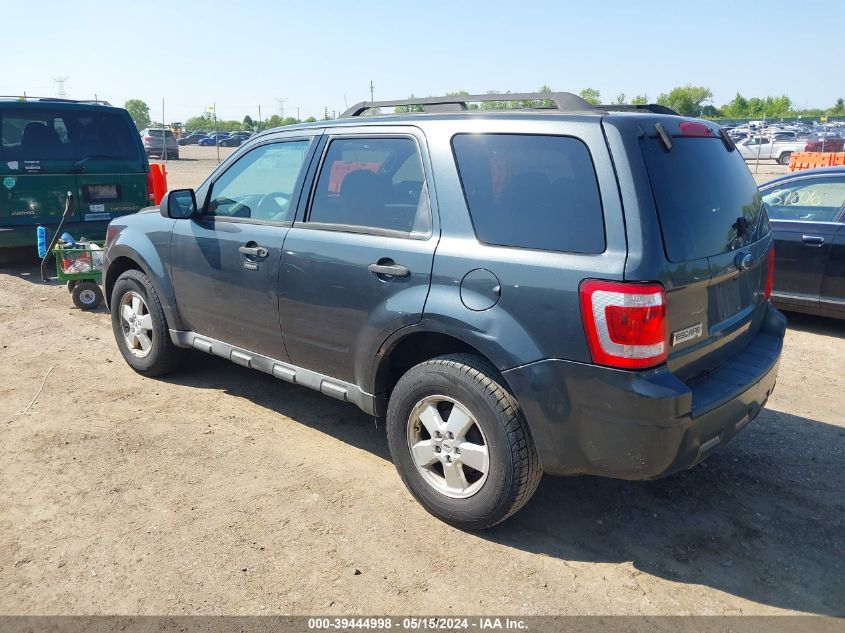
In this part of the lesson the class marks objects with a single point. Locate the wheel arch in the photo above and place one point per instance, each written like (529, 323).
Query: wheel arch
(116, 268)
(120, 258)
(412, 346)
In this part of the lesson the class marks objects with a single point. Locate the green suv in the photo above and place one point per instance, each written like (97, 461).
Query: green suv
(49, 147)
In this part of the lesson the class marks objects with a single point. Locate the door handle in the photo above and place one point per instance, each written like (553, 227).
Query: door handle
(812, 240)
(254, 251)
(389, 270)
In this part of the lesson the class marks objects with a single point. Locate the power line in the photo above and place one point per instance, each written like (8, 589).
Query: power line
(60, 87)
(281, 101)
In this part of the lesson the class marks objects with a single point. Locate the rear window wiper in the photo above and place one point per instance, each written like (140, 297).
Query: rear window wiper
(81, 162)
(664, 136)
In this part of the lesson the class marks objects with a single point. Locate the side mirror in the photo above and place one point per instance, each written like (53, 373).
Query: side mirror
(179, 204)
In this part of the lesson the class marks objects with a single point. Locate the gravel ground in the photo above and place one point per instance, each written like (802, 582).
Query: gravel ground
(219, 490)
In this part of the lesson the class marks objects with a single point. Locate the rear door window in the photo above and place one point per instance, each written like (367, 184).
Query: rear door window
(808, 200)
(527, 191)
(707, 200)
(373, 183)
(41, 134)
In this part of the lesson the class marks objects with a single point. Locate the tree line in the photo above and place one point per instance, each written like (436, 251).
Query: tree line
(140, 113)
(687, 100)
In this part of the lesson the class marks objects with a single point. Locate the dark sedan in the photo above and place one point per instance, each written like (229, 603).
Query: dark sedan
(192, 138)
(807, 215)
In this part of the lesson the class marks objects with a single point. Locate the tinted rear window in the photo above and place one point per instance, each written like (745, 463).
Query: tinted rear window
(40, 134)
(537, 192)
(701, 191)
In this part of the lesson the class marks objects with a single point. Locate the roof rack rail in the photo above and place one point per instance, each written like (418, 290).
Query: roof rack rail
(656, 108)
(457, 103)
(56, 99)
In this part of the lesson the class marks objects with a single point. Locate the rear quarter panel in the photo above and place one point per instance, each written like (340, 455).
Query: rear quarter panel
(537, 315)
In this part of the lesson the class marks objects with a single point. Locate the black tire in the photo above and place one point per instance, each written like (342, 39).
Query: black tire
(514, 469)
(86, 295)
(70, 285)
(784, 158)
(163, 356)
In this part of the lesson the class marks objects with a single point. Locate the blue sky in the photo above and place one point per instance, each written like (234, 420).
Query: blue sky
(315, 54)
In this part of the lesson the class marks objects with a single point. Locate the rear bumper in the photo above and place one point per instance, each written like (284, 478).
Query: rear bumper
(593, 420)
(16, 236)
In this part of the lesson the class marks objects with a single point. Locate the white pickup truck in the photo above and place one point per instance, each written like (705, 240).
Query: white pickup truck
(769, 149)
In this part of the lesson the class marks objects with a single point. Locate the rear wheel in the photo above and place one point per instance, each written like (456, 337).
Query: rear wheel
(140, 327)
(86, 295)
(461, 443)
(784, 158)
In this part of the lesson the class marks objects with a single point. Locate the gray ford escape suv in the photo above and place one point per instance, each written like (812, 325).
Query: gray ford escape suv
(569, 290)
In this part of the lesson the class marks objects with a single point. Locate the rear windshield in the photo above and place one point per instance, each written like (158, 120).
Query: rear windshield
(707, 201)
(38, 134)
(168, 133)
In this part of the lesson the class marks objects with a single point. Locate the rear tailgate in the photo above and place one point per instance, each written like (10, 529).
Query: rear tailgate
(716, 242)
(108, 189)
(50, 149)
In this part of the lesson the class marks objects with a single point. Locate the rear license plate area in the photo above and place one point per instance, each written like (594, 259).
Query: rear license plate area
(728, 297)
(101, 193)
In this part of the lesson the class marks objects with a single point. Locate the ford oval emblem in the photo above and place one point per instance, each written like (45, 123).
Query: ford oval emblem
(744, 260)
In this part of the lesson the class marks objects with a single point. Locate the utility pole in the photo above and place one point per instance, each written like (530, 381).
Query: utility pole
(163, 130)
(216, 136)
(371, 90)
(60, 87)
(259, 118)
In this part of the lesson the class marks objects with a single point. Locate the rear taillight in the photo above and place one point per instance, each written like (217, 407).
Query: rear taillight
(625, 323)
(770, 273)
(148, 138)
(151, 196)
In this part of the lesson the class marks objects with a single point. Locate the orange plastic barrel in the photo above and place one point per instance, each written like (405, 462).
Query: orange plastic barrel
(159, 174)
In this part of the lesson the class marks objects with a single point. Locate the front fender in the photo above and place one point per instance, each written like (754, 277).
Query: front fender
(145, 241)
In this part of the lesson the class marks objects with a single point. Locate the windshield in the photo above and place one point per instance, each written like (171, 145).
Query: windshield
(707, 201)
(37, 134)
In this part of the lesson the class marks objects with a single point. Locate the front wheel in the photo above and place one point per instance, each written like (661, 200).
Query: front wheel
(784, 158)
(140, 327)
(461, 443)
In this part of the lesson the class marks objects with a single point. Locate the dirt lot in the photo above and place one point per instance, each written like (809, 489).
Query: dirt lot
(222, 490)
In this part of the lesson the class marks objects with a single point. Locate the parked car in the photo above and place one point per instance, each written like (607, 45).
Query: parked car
(582, 291)
(160, 142)
(50, 148)
(192, 138)
(825, 143)
(807, 214)
(231, 141)
(766, 148)
(213, 139)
